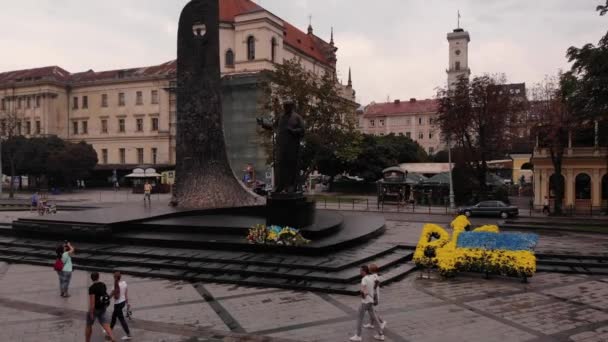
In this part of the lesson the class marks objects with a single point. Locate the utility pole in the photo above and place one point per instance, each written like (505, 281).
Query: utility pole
(452, 205)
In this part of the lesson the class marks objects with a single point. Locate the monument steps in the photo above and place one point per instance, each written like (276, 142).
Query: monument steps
(338, 273)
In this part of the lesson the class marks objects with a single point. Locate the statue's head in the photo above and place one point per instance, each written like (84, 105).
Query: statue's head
(289, 106)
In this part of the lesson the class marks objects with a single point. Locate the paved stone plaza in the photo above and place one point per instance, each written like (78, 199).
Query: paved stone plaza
(553, 307)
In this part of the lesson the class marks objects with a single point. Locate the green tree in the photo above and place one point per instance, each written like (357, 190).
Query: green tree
(473, 116)
(74, 161)
(589, 97)
(331, 140)
(380, 152)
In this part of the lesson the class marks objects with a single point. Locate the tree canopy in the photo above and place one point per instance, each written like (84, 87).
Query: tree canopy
(331, 141)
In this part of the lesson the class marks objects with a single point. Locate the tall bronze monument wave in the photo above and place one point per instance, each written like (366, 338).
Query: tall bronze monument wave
(204, 176)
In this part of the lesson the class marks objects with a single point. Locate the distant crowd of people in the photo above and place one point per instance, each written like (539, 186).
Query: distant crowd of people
(99, 298)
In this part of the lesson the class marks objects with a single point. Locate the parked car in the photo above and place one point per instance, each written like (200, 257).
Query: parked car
(490, 208)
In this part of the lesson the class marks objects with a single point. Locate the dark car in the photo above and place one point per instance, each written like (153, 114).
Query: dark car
(490, 208)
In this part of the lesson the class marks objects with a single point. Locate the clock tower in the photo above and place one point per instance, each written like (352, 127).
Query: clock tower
(459, 56)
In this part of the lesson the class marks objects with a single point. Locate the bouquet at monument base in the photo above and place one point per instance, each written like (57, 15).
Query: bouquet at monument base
(276, 235)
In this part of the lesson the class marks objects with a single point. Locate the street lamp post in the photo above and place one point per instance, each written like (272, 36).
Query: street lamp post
(452, 205)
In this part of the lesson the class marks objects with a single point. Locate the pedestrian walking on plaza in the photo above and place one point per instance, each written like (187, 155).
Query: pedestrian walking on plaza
(546, 210)
(373, 269)
(98, 303)
(64, 269)
(35, 199)
(367, 305)
(121, 300)
(147, 192)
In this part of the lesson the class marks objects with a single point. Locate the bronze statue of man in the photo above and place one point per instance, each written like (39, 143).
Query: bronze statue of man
(289, 132)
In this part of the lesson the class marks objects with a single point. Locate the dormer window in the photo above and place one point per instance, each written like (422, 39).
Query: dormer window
(251, 48)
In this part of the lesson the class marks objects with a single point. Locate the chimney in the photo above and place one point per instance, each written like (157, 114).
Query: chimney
(413, 99)
(397, 101)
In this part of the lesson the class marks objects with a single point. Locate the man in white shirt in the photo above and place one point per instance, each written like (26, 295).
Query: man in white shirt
(367, 305)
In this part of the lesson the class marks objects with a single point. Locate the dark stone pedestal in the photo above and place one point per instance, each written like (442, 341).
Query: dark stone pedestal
(292, 210)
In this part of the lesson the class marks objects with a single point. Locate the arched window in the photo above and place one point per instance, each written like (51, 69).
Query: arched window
(582, 188)
(229, 58)
(273, 49)
(251, 48)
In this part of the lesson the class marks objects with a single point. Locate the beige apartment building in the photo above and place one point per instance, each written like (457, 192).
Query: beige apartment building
(129, 115)
(415, 119)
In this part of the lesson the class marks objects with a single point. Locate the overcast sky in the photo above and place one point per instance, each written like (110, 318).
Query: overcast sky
(396, 48)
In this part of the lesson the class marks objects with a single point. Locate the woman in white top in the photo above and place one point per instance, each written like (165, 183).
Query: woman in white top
(121, 300)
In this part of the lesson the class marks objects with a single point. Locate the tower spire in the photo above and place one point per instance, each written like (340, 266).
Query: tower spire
(350, 78)
(331, 41)
(310, 24)
(458, 19)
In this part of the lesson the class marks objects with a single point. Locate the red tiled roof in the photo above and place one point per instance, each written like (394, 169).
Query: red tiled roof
(302, 42)
(50, 73)
(231, 8)
(402, 107)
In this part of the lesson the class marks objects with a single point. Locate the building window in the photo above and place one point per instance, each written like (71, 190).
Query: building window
(37, 101)
(28, 127)
(3, 127)
(408, 121)
(139, 100)
(140, 155)
(75, 103)
(121, 125)
(582, 187)
(121, 99)
(420, 121)
(28, 102)
(104, 100)
(154, 155)
(74, 127)
(123, 157)
(85, 127)
(372, 123)
(104, 126)
(408, 134)
(381, 122)
(273, 49)
(457, 66)
(154, 95)
(3, 104)
(19, 103)
(229, 58)
(140, 125)
(430, 135)
(38, 127)
(85, 102)
(19, 128)
(154, 124)
(251, 48)
(104, 156)
(431, 150)
(420, 135)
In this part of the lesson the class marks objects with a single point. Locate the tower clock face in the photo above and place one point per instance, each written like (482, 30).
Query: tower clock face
(457, 52)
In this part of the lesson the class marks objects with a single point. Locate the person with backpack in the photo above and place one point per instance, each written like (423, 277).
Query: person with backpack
(98, 303)
(121, 299)
(63, 267)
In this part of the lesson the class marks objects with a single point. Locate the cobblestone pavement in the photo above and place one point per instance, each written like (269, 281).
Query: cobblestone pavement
(552, 307)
